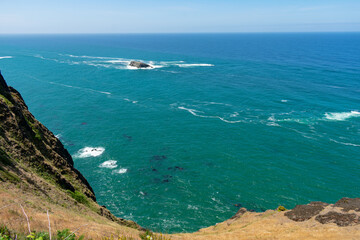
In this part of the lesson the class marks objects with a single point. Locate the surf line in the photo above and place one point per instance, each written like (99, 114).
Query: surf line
(69, 86)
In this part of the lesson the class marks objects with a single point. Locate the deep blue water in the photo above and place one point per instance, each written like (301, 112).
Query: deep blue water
(259, 120)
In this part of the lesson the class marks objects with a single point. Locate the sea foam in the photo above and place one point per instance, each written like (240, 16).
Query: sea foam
(341, 116)
(90, 152)
(109, 164)
(195, 113)
(123, 63)
(4, 57)
(120, 171)
(186, 65)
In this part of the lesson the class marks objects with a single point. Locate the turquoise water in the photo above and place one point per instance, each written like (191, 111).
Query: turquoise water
(259, 120)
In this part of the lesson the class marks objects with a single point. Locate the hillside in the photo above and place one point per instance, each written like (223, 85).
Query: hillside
(37, 174)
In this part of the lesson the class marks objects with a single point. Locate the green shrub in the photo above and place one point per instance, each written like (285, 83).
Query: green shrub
(79, 197)
(4, 233)
(281, 208)
(151, 236)
(38, 236)
(66, 234)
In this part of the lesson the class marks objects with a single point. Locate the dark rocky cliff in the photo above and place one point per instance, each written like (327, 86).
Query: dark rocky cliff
(26, 143)
(34, 160)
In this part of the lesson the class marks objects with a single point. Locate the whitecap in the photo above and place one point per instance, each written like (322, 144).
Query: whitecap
(90, 152)
(341, 116)
(128, 100)
(121, 171)
(235, 114)
(186, 65)
(192, 111)
(192, 207)
(4, 57)
(58, 135)
(345, 143)
(195, 113)
(117, 61)
(109, 164)
(284, 100)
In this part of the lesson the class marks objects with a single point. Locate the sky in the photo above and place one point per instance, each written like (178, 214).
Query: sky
(174, 16)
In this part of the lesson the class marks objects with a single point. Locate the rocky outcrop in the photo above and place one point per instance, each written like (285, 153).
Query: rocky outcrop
(139, 64)
(344, 212)
(305, 212)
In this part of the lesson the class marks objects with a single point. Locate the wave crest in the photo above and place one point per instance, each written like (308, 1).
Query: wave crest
(109, 164)
(90, 152)
(341, 116)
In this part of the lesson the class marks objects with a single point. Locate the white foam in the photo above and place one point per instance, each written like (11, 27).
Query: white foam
(117, 61)
(186, 65)
(4, 57)
(128, 100)
(194, 112)
(345, 143)
(235, 114)
(109, 164)
(192, 207)
(86, 89)
(284, 100)
(341, 116)
(121, 171)
(90, 152)
(122, 63)
(84, 56)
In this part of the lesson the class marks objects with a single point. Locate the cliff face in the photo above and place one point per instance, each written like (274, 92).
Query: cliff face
(26, 145)
(35, 165)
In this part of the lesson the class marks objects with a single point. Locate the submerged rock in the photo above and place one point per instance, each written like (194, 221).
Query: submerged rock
(158, 158)
(139, 64)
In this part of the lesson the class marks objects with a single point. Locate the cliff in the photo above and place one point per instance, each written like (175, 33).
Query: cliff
(37, 174)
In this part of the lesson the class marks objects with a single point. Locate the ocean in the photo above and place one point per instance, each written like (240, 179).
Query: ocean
(221, 121)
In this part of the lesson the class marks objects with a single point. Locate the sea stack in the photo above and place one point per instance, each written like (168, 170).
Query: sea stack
(139, 64)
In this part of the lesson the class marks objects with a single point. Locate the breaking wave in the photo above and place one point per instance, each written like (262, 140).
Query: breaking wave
(341, 116)
(345, 143)
(120, 171)
(109, 164)
(4, 57)
(186, 65)
(118, 63)
(198, 114)
(90, 152)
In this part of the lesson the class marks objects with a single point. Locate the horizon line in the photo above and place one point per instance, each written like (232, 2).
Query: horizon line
(115, 33)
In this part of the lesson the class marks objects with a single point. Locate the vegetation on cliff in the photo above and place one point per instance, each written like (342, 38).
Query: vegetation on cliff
(38, 172)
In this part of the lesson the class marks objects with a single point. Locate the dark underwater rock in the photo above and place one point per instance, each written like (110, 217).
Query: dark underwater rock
(158, 157)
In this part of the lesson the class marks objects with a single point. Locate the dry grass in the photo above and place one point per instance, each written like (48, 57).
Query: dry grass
(84, 222)
(268, 225)
(272, 225)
